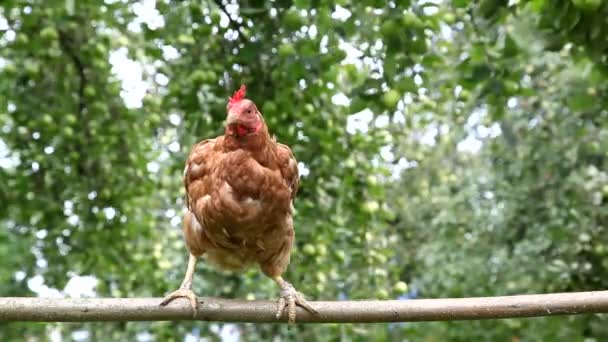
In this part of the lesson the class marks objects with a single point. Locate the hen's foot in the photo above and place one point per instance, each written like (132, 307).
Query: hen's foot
(290, 297)
(183, 293)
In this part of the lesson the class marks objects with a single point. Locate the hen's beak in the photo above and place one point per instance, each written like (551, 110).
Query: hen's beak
(232, 118)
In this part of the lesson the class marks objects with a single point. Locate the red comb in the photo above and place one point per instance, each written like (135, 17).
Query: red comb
(238, 95)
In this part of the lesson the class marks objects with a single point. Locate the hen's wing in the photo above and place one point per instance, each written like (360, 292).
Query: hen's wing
(275, 259)
(197, 181)
(197, 169)
(289, 168)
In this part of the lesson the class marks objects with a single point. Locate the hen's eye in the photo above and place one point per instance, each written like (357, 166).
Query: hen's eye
(248, 111)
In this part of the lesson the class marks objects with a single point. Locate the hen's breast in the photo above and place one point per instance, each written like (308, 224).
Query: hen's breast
(246, 199)
(240, 208)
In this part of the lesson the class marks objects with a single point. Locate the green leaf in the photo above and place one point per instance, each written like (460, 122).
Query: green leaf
(581, 102)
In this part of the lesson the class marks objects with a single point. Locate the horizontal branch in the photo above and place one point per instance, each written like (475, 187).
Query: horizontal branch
(261, 311)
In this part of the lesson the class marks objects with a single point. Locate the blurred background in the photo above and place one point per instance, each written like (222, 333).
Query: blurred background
(447, 148)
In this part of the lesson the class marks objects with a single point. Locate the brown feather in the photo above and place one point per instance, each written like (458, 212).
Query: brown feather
(239, 193)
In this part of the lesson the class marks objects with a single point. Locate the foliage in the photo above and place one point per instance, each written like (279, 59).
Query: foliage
(457, 147)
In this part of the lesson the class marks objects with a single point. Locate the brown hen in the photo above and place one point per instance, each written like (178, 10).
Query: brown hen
(240, 189)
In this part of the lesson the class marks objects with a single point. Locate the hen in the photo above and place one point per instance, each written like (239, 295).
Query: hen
(240, 189)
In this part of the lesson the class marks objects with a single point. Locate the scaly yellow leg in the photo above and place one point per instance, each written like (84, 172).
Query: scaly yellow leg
(185, 290)
(290, 297)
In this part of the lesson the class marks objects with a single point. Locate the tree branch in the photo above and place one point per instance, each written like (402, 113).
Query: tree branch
(80, 68)
(260, 311)
(235, 25)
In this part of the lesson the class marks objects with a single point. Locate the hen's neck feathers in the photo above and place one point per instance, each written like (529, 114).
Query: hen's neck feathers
(256, 143)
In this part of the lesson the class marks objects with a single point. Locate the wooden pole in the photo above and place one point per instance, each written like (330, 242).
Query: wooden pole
(260, 311)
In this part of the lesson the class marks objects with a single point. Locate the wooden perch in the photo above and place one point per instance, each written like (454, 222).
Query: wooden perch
(262, 311)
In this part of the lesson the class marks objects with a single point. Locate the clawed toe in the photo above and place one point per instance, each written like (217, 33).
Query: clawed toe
(290, 298)
(183, 293)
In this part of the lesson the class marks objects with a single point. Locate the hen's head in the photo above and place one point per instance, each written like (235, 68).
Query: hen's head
(244, 118)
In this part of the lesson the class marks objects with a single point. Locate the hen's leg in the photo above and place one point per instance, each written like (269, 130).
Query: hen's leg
(185, 290)
(289, 298)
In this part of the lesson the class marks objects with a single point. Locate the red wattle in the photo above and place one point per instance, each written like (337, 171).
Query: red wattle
(241, 130)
